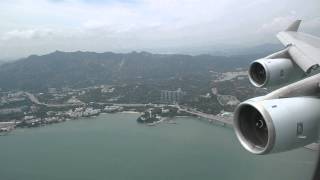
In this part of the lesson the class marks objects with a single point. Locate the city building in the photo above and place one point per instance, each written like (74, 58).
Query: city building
(52, 90)
(172, 97)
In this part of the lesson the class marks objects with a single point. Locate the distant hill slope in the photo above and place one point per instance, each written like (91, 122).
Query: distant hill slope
(2, 62)
(81, 69)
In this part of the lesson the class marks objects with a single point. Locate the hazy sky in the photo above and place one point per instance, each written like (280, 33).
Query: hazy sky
(169, 26)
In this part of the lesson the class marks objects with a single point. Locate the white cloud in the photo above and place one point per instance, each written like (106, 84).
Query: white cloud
(143, 24)
(280, 23)
(27, 34)
(277, 24)
(313, 25)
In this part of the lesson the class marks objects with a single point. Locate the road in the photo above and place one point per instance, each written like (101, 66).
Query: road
(33, 99)
(226, 120)
(36, 101)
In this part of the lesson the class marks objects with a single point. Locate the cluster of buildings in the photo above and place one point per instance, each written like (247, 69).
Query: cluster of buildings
(82, 112)
(172, 97)
(61, 116)
(54, 106)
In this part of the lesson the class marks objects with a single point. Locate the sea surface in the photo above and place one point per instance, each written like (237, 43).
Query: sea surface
(116, 147)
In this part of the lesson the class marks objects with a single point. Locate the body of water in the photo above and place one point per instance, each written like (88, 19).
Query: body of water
(115, 147)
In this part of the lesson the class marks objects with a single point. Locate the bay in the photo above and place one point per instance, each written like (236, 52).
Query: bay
(116, 147)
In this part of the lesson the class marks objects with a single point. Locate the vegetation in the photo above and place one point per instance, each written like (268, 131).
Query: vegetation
(84, 69)
(133, 78)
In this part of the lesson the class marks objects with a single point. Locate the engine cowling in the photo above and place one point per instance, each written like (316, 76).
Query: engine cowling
(269, 126)
(273, 72)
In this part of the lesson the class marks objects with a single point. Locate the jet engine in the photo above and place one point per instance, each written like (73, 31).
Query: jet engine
(273, 72)
(269, 126)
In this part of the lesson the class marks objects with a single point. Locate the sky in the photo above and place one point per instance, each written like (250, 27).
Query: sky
(161, 26)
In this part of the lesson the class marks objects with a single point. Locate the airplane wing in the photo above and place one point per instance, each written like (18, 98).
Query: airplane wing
(288, 117)
(304, 49)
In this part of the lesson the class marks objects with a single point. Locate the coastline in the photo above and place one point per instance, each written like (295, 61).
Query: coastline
(130, 112)
(7, 129)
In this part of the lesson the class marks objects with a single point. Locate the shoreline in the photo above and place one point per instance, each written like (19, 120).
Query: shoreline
(311, 147)
(129, 112)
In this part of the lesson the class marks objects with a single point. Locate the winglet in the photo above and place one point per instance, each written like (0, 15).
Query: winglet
(294, 26)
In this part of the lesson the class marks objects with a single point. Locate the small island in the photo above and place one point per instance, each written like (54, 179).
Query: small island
(158, 114)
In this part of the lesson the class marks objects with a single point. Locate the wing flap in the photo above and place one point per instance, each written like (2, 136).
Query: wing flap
(304, 49)
(301, 59)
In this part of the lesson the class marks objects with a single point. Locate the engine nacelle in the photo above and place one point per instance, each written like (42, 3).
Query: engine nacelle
(269, 126)
(273, 72)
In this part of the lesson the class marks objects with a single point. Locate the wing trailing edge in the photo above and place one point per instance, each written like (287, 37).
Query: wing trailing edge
(304, 49)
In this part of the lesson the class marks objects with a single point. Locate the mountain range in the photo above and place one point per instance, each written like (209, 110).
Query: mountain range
(83, 69)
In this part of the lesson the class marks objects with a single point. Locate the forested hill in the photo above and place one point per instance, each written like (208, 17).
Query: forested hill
(82, 69)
